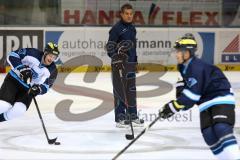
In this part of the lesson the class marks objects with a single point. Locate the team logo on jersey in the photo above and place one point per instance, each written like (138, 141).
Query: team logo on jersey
(191, 82)
(123, 31)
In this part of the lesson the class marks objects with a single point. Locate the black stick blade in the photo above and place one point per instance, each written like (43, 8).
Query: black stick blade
(52, 141)
(57, 143)
(129, 136)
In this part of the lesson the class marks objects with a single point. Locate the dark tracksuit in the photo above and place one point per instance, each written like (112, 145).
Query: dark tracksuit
(120, 33)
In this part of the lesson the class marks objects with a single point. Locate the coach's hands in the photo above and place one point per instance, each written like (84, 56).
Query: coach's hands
(118, 60)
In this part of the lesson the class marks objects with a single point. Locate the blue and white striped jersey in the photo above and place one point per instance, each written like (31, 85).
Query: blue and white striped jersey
(42, 75)
(205, 85)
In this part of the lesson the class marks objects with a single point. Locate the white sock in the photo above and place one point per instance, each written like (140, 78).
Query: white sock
(17, 110)
(4, 106)
(229, 153)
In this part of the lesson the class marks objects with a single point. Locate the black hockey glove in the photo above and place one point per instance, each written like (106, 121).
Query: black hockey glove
(118, 61)
(179, 88)
(170, 109)
(25, 74)
(34, 90)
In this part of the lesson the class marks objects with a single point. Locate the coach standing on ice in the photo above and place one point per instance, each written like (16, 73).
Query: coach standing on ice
(121, 48)
(29, 66)
(205, 85)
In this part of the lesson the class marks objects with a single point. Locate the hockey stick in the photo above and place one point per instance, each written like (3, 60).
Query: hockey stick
(135, 139)
(50, 141)
(128, 136)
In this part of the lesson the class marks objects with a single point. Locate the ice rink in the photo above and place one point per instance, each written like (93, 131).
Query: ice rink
(96, 137)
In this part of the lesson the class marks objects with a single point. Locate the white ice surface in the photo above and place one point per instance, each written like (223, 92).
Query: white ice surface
(178, 138)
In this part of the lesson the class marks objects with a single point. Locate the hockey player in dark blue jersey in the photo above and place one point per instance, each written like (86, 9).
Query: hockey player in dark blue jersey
(205, 85)
(32, 73)
(121, 48)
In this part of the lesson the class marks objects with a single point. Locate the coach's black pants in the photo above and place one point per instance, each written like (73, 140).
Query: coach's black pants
(127, 85)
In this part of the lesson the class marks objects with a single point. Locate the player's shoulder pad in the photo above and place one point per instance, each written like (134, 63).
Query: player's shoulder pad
(33, 50)
(197, 66)
(52, 68)
(34, 53)
(195, 73)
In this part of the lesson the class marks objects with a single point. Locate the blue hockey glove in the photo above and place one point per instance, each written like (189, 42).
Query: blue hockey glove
(170, 109)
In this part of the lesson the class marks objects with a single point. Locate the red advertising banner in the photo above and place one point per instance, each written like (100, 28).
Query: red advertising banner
(164, 13)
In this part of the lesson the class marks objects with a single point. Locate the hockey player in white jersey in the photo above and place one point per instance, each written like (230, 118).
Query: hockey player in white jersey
(32, 73)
